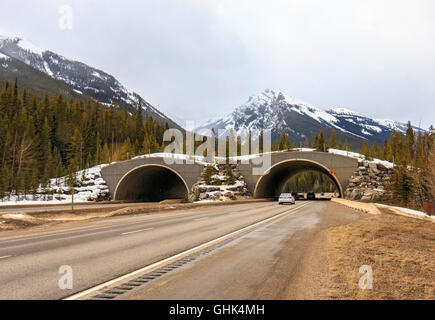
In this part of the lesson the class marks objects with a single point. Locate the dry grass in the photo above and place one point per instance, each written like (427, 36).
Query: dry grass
(400, 250)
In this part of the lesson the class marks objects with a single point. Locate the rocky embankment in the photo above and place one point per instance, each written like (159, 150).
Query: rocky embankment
(368, 181)
(221, 187)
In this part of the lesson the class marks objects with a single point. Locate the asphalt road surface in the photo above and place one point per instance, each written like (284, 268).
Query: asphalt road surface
(257, 265)
(67, 207)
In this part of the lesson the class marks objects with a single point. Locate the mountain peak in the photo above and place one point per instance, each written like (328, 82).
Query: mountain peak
(22, 43)
(344, 111)
(273, 110)
(79, 77)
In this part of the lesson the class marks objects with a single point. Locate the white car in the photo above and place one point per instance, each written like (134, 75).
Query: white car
(286, 198)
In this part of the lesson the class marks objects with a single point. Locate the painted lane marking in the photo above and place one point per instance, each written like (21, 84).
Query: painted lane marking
(64, 234)
(179, 255)
(136, 231)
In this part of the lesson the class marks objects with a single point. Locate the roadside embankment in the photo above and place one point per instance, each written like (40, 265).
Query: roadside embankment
(399, 250)
(360, 206)
(377, 208)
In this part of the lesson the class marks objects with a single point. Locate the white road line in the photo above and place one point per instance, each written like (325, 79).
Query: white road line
(137, 231)
(179, 255)
(4, 257)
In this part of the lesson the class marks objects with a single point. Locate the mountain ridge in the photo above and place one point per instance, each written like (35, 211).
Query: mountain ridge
(273, 110)
(81, 78)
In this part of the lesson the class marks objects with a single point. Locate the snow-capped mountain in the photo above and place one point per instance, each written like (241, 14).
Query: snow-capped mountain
(300, 120)
(78, 76)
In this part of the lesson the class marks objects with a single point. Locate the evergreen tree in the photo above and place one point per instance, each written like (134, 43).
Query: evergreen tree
(346, 145)
(4, 182)
(320, 142)
(284, 142)
(230, 178)
(365, 150)
(139, 124)
(332, 140)
(410, 144)
(105, 154)
(207, 174)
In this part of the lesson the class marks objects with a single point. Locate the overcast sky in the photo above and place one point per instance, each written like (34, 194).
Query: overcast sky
(196, 59)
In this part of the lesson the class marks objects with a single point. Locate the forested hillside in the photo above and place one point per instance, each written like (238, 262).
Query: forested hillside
(45, 136)
(412, 153)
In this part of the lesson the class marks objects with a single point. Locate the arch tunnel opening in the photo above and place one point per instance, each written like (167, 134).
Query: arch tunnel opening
(151, 183)
(273, 183)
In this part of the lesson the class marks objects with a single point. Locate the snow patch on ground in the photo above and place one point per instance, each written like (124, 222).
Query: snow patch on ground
(4, 57)
(360, 157)
(408, 212)
(26, 45)
(91, 187)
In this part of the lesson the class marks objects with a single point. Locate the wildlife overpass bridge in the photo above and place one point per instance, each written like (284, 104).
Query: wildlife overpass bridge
(153, 179)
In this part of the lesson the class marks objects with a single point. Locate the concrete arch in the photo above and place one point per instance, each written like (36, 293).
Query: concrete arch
(271, 184)
(151, 183)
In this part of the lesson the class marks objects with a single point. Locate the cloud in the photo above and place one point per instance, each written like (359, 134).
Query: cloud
(201, 58)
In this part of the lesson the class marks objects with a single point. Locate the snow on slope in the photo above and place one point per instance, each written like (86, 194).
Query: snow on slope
(80, 77)
(275, 111)
(4, 57)
(92, 186)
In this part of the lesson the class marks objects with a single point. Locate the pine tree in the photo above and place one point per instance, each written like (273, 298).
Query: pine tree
(72, 180)
(365, 150)
(284, 142)
(4, 182)
(207, 174)
(19, 185)
(230, 178)
(320, 142)
(105, 154)
(139, 124)
(332, 140)
(402, 186)
(308, 143)
(346, 145)
(410, 144)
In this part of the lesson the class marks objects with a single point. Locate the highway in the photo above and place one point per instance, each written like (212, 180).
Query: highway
(67, 207)
(107, 249)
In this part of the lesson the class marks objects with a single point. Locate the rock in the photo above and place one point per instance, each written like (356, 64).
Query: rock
(356, 194)
(212, 189)
(192, 197)
(356, 179)
(203, 196)
(373, 166)
(238, 188)
(368, 195)
(201, 189)
(104, 196)
(381, 167)
(214, 197)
